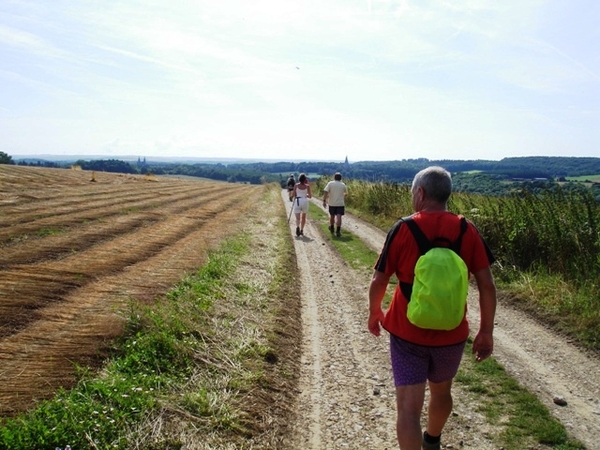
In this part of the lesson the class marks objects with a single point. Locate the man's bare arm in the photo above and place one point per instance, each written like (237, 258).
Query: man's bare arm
(483, 344)
(377, 288)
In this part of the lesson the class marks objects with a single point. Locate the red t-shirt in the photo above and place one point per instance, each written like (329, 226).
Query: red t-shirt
(399, 256)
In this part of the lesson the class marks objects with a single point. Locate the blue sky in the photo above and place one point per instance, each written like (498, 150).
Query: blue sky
(300, 80)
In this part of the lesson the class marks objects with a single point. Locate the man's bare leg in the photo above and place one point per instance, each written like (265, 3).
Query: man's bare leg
(409, 403)
(440, 407)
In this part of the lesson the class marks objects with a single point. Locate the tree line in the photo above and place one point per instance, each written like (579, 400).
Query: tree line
(487, 177)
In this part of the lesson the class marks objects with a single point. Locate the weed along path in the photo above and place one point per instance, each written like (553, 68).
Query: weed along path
(347, 397)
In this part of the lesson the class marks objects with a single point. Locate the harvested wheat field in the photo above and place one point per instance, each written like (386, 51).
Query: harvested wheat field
(76, 246)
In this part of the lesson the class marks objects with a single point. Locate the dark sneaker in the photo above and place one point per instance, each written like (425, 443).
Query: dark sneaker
(428, 446)
(297, 231)
(301, 232)
(338, 234)
(331, 228)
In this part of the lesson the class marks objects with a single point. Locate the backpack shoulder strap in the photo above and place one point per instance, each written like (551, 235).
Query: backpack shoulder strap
(424, 244)
(455, 246)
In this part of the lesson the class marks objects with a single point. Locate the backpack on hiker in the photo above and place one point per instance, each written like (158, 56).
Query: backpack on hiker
(291, 182)
(438, 296)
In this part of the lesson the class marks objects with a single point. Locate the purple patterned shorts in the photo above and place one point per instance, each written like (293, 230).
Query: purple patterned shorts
(415, 364)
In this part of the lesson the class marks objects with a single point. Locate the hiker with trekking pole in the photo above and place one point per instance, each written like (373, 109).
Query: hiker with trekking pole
(301, 194)
(432, 252)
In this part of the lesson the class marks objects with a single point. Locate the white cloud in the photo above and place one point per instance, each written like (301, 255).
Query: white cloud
(336, 77)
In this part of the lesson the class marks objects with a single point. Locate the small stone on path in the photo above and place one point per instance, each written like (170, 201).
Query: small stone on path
(560, 401)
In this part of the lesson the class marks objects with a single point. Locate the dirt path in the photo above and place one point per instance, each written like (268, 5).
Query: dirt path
(343, 366)
(347, 392)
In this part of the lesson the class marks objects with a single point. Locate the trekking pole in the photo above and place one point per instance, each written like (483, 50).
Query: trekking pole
(291, 209)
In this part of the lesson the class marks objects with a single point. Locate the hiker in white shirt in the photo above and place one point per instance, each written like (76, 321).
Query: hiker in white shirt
(336, 193)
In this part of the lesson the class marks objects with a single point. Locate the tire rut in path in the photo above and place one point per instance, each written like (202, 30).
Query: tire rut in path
(343, 366)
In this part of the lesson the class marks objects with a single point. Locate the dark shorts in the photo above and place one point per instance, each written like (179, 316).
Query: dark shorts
(336, 210)
(415, 364)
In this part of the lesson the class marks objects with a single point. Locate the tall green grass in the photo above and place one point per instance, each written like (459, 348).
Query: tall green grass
(545, 240)
(556, 231)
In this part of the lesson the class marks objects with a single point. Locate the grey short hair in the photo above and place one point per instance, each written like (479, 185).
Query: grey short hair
(435, 181)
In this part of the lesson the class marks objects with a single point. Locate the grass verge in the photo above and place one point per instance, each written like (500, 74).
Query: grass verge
(358, 255)
(202, 367)
(524, 420)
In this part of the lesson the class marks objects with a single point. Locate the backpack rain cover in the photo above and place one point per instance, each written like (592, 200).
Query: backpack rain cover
(439, 290)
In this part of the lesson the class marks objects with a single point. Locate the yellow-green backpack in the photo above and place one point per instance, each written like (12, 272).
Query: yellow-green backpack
(438, 296)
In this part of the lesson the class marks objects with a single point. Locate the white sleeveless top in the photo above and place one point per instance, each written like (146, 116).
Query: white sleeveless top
(301, 193)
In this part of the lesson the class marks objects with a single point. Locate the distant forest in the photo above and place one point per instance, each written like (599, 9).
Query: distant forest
(475, 176)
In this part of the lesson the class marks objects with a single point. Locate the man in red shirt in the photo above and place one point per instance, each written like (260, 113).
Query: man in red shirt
(424, 356)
